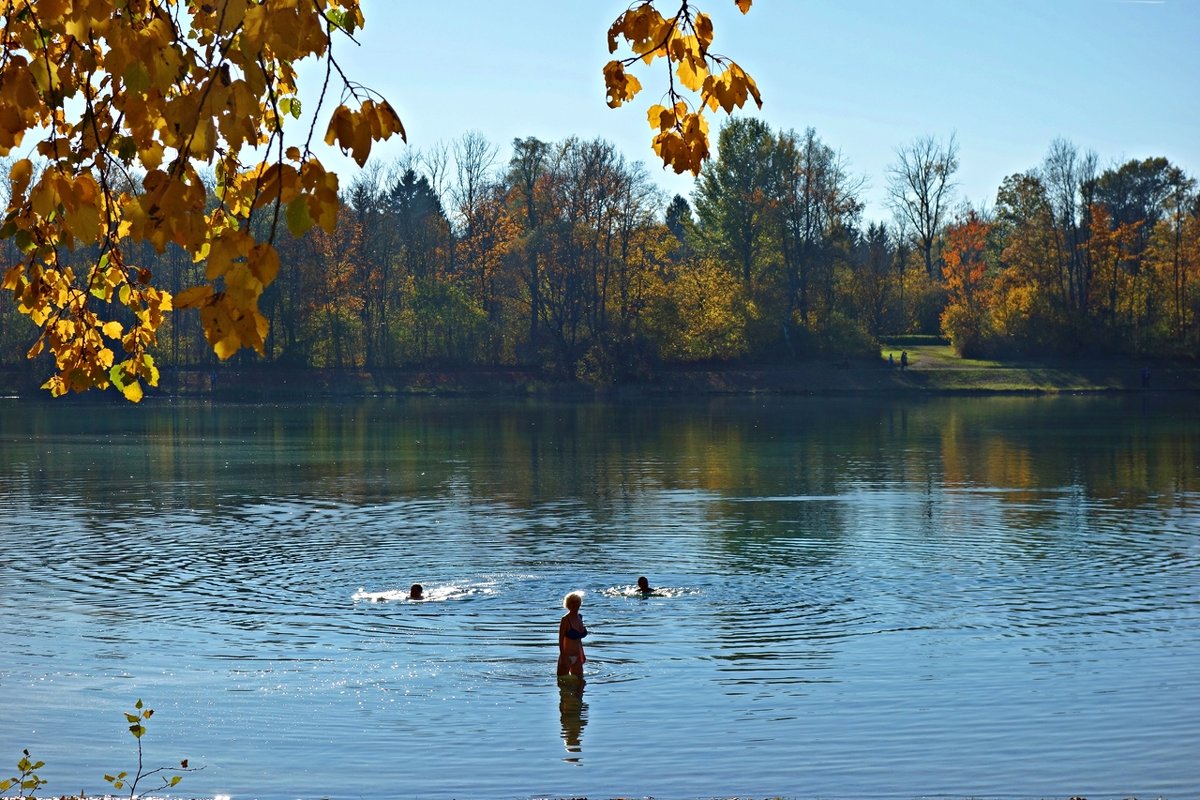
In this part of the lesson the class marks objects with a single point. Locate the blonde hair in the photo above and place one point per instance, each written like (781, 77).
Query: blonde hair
(576, 597)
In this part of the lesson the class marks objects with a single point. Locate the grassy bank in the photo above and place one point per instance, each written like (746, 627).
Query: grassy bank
(934, 369)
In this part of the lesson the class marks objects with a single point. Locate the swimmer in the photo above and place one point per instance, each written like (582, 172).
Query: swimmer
(571, 631)
(644, 585)
(417, 592)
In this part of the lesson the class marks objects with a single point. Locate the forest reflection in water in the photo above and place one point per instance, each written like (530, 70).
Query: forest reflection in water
(1122, 451)
(860, 597)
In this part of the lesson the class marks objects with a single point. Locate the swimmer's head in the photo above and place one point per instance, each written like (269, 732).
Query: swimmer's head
(644, 584)
(573, 601)
(415, 592)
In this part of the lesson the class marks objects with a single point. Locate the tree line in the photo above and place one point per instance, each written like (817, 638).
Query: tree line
(568, 258)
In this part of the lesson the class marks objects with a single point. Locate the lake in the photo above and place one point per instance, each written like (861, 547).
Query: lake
(858, 598)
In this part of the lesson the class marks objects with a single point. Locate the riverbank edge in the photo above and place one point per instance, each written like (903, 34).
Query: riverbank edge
(810, 378)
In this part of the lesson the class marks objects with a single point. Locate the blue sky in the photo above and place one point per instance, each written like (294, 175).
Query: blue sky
(1121, 77)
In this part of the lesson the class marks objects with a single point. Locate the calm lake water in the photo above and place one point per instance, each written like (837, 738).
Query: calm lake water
(969, 597)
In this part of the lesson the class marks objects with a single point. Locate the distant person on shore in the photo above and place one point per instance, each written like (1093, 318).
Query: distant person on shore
(571, 631)
(903, 359)
(644, 585)
(891, 359)
(417, 592)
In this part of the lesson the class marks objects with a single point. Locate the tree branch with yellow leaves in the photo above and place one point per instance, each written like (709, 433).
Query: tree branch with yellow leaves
(684, 41)
(157, 91)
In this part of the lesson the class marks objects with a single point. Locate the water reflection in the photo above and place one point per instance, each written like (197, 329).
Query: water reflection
(572, 712)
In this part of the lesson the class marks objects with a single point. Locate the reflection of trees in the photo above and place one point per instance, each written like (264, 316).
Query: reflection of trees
(1112, 450)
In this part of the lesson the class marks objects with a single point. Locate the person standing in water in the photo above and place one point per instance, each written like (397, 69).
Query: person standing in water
(571, 631)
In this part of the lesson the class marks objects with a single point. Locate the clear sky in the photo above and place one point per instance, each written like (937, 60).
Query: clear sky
(1121, 77)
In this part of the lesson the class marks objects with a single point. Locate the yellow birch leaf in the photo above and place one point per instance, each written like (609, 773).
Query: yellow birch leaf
(660, 117)
(389, 121)
(54, 149)
(334, 132)
(621, 87)
(12, 128)
(743, 5)
(19, 176)
(264, 263)
(227, 346)
(704, 31)
(190, 298)
(56, 386)
(133, 391)
(112, 329)
(692, 72)
(151, 154)
(43, 198)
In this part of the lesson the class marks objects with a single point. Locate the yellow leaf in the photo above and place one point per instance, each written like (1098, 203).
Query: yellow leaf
(20, 175)
(264, 263)
(133, 391)
(743, 5)
(660, 117)
(704, 31)
(56, 385)
(389, 121)
(621, 87)
(12, 278)
(692, 72)
(190, 298)
(112, 329)
(226, 347)
(334, 132)
(151, 154)
(54, 149)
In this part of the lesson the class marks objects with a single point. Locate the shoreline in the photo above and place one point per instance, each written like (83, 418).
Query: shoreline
(930, 373)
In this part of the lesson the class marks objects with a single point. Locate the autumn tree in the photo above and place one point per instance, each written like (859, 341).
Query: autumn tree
(1137, 192)
(1118, 300)
(486, 242)
(1174, 254)
(920, 186)
(699, 313)
(1030, 306)
(965, 268)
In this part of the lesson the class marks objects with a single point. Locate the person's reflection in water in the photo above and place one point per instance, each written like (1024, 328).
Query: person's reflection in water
(573, 714)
